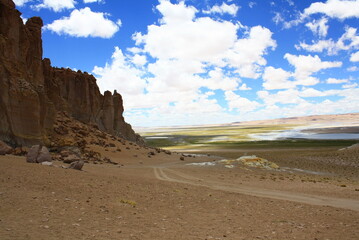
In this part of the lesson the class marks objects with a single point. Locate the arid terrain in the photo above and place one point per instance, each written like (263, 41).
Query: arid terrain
(313, 195)
(249, 180)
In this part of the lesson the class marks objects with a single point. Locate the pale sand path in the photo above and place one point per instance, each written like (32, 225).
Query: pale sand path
(171, 175)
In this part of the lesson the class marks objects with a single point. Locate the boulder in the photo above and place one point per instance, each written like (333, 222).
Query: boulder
(38, 154)
(4, 148)
(77, 165)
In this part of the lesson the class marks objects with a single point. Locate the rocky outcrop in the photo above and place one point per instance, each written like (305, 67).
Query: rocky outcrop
(32, 91)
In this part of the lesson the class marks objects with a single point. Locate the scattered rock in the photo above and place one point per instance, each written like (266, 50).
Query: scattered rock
(70, 154)
(77, 165)
(38, 154)
(20, 151)
(46, 163)
(4, 148)
(66, 151)
(71, 158)
(182, 158)
(92, 156)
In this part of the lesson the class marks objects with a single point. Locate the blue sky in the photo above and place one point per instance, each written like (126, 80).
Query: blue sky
(206, 62)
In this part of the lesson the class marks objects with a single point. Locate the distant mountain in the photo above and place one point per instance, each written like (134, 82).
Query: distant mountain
(313, 119)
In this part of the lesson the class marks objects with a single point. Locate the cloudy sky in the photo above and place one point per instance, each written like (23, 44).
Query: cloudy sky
(209, 61)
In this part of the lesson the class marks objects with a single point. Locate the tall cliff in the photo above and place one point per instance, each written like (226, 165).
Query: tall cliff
(32, 91)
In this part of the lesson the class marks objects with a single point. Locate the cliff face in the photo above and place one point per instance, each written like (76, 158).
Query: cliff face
(32, 91)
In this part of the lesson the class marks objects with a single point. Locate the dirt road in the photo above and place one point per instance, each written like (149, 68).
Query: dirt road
(174, 175)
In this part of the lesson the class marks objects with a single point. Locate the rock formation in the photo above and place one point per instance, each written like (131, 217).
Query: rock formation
(38, 154)
(32, 92)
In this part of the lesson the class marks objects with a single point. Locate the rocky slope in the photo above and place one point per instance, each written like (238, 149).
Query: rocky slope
(32, 92)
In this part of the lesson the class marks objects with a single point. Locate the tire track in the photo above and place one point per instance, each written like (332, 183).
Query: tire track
(170, 175)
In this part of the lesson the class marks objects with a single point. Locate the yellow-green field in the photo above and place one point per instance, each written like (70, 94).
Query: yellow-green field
(228, 137)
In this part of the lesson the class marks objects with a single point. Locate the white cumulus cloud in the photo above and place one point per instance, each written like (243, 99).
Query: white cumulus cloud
(120, 75)
(276, 78)
(289, 96)
(336, 81)
(181, 37)
(244, 87)
(247, 54)
(353, 69)
(231, 9)
(139, 60)
(93, 1)
(85, 23)
(349, 40)
(55, 5)
(354, 57)
(305, 66)
(241, 104)
(21, 3)
(319, 27)
(218, 80)
(340, 9)
(350, 85)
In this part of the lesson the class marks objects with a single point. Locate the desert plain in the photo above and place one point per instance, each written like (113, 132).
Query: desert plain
(311, 191)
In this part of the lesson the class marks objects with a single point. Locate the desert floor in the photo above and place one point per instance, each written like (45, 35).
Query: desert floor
(164, 198)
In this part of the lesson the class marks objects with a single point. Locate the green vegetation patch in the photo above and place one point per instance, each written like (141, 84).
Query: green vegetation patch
(128, 202)
(231, 137)
(184, 137)
(288, 143)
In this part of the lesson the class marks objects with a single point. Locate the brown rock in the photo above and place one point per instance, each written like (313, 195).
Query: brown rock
(38, 154)
(20, 151)
(71, 158)
(4, 148)
(77, 165)
(70, 154)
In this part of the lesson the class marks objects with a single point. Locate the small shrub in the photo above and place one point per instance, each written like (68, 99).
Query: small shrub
(129, 202)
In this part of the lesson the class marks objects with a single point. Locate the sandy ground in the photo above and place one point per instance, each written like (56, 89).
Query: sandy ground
(164, 198)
